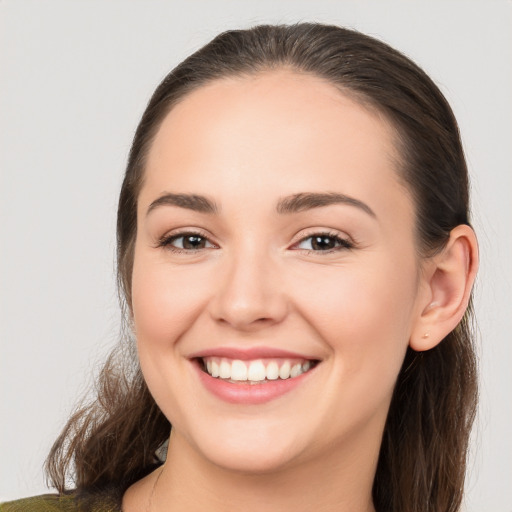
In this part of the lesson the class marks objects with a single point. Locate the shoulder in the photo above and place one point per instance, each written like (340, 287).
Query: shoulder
(104, 502)
(43, 503)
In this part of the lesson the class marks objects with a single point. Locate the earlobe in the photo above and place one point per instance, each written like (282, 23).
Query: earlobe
(448, 281)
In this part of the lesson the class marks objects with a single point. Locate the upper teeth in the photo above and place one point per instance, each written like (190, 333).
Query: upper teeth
(257, 370)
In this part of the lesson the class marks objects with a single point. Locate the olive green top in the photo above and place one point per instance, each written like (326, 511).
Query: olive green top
(106, 502)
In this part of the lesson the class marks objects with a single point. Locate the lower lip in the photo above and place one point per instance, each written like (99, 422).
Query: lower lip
(249, 394)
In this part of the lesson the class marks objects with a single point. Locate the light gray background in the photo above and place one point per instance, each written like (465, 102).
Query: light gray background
(74, 79)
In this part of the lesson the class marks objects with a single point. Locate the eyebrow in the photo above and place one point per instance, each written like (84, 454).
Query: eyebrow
(189, 201)
(287, 205)
(310, 200)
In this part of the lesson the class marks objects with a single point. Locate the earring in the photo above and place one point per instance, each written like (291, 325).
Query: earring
(426, 335)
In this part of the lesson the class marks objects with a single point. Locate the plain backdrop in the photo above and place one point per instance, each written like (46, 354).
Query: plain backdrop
(74, 79)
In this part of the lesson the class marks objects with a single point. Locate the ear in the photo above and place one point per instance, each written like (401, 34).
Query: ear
(447, 281)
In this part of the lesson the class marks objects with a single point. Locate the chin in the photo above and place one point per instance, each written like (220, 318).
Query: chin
(255, 452)
(253, 462)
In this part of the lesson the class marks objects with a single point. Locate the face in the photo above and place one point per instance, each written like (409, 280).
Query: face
(275, 241)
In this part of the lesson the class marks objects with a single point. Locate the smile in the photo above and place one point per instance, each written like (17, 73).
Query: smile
(255, 371)
(252, 376)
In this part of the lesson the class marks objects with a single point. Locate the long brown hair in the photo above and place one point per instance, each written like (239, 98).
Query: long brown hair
(421, 468)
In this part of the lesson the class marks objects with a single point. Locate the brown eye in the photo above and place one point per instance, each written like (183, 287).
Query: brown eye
(323, 242)
(193, 242)
(186, 242)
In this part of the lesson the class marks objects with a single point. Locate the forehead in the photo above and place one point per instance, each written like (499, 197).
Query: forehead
(276, 133)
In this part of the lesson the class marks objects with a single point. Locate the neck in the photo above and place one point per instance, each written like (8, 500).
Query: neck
(340, 482)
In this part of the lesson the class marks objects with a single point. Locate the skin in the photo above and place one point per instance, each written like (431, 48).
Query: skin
(245, 144)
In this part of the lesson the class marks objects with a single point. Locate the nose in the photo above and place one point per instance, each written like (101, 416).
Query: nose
(250, 294)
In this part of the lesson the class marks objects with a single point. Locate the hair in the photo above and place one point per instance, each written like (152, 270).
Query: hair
(421, 468)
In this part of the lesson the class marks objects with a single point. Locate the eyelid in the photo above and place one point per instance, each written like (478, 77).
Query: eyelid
(165, 240)
(344, 237)
(346, 241)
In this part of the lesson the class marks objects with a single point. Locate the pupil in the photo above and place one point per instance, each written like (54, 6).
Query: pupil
(323, 242)
(192, 242)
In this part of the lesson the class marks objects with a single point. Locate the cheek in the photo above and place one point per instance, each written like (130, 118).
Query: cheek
(165, 301)
(165, 304)
(365, 315)
(364, 318)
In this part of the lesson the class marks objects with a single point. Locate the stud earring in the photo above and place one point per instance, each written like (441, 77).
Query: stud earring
(426, 335)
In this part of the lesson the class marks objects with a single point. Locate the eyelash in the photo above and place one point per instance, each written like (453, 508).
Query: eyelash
(342, 243)
(167, 240)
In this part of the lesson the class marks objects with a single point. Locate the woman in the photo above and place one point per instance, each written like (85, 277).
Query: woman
(296, 258)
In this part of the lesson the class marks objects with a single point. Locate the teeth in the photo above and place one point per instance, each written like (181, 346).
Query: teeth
(272, 371)
(224, 370)
(238, 370)
(255, 371)
(296, 370)
(284, 371)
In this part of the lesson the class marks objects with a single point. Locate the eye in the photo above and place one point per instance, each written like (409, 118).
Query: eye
(185, 242)
(323, 242)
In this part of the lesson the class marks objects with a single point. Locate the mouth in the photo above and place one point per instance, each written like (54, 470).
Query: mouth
(252, 375)
(256, 371)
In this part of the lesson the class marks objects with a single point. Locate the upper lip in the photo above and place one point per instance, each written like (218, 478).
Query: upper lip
(249, 353)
